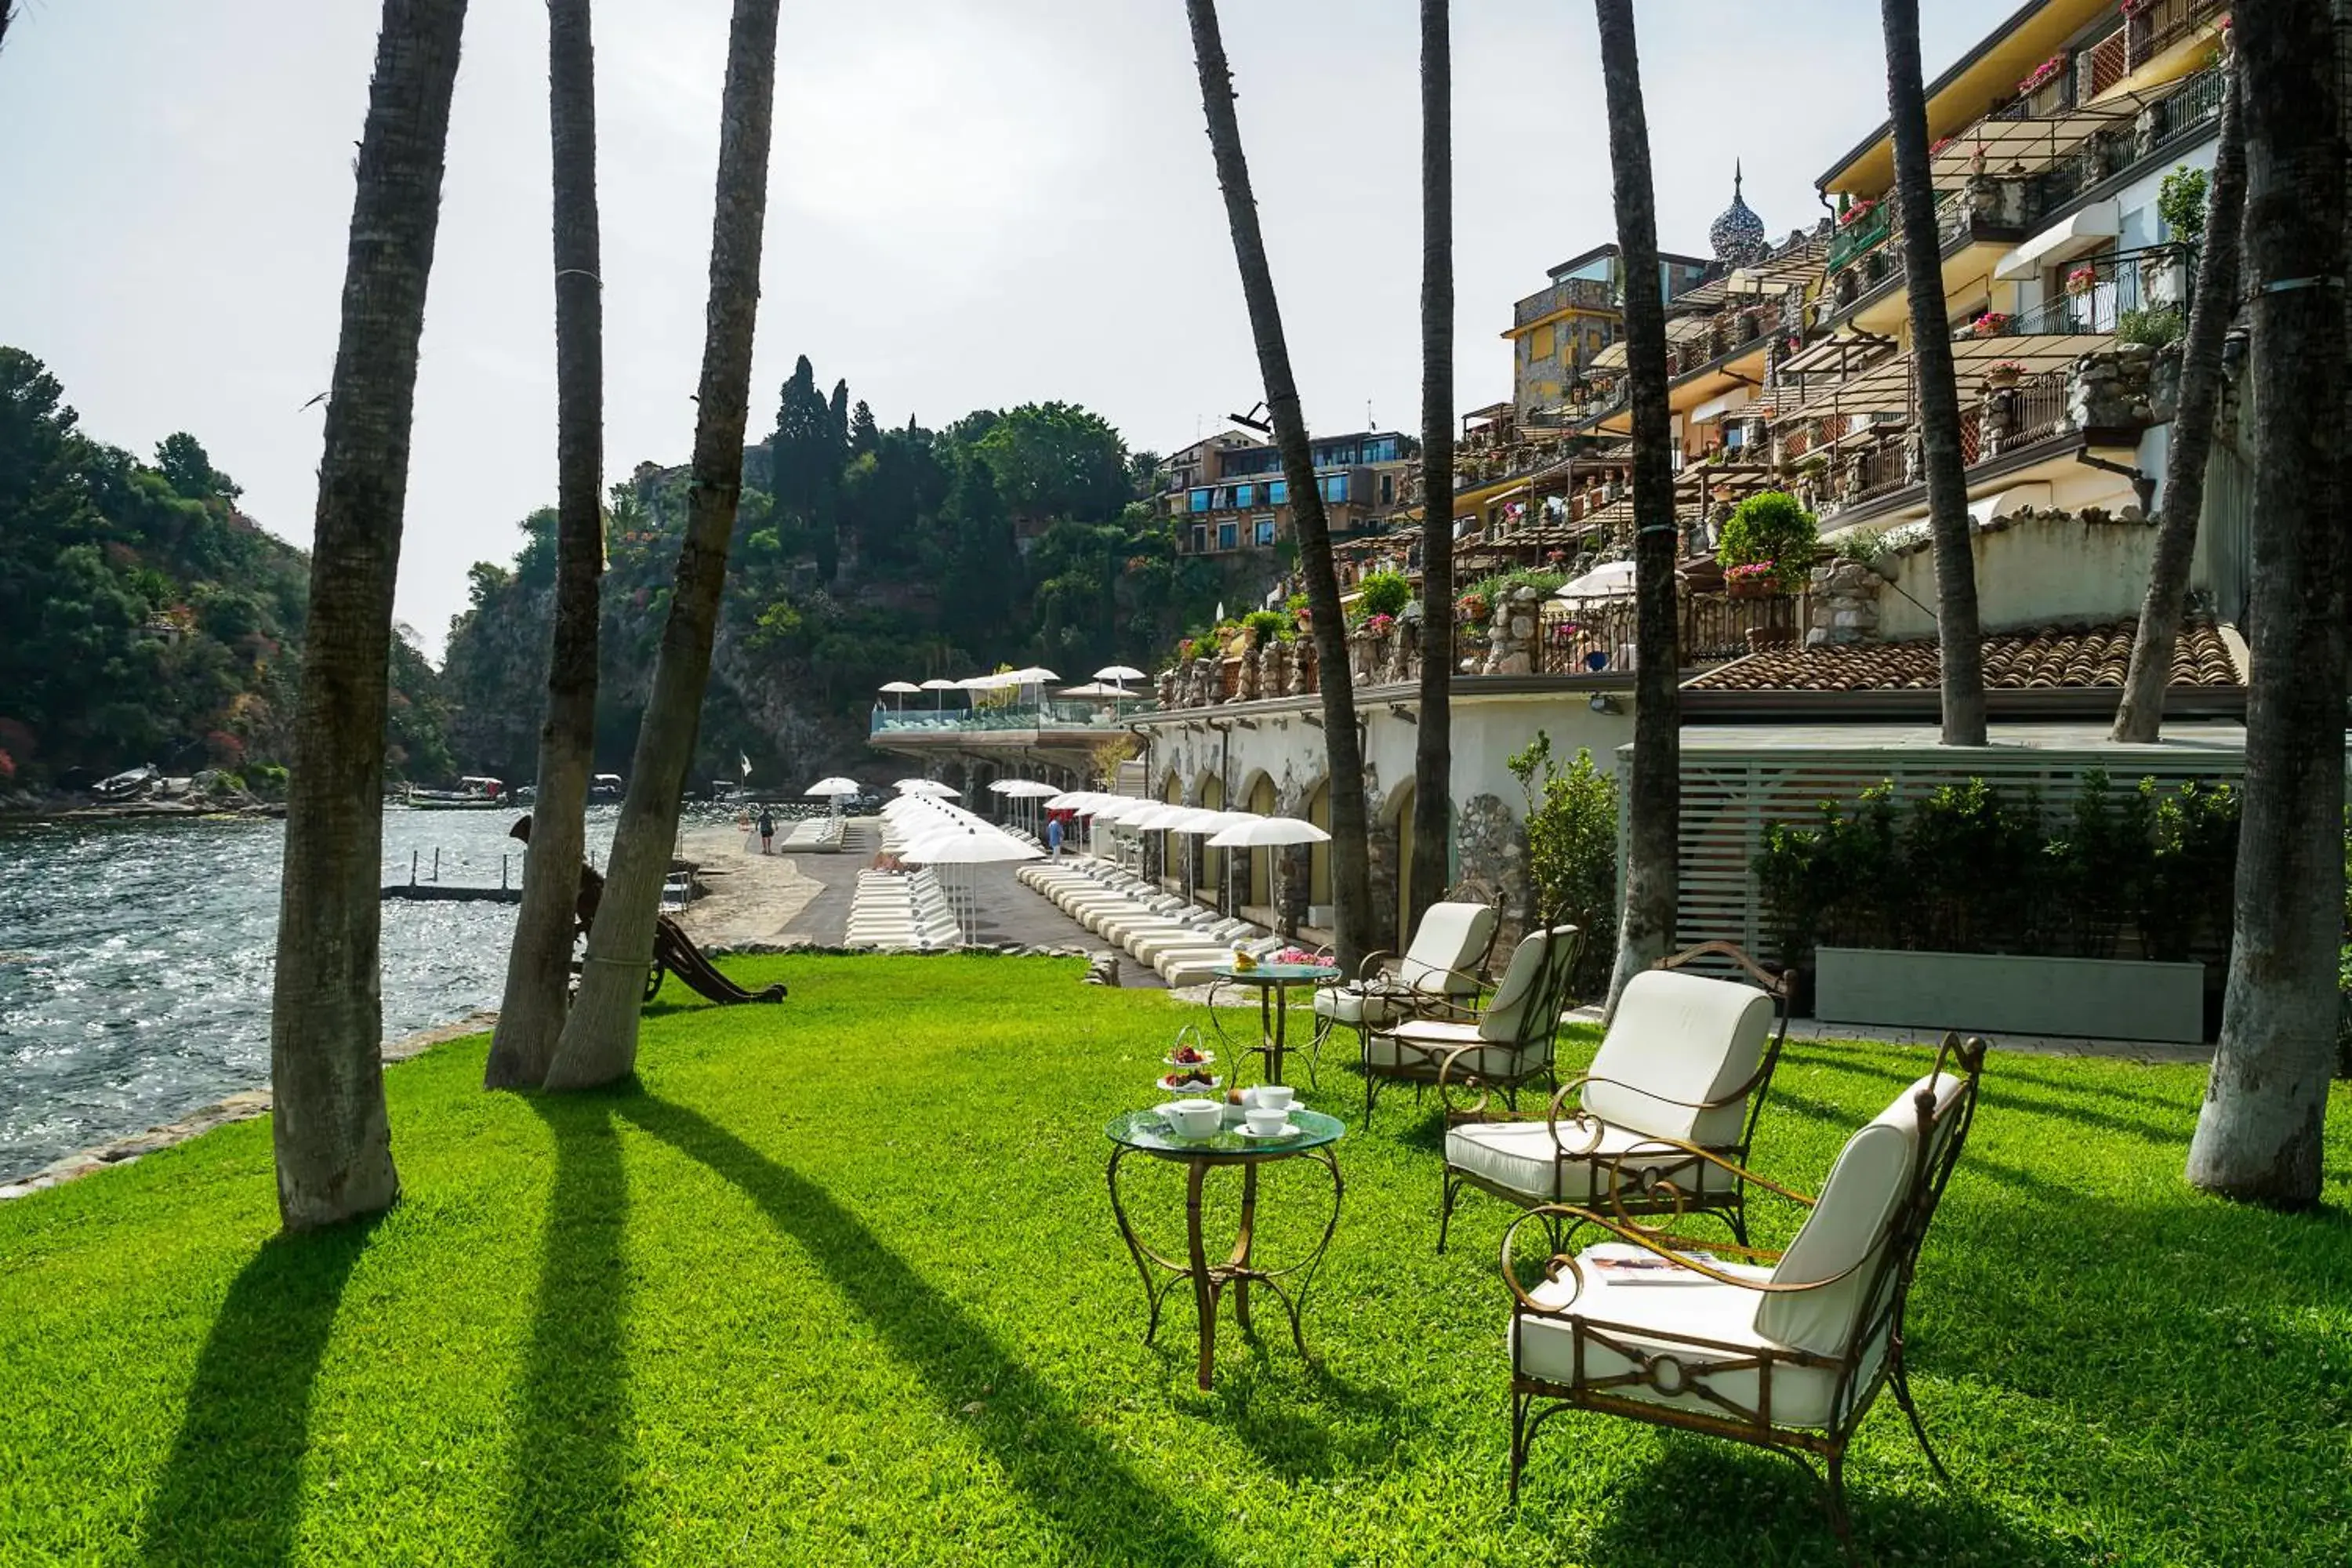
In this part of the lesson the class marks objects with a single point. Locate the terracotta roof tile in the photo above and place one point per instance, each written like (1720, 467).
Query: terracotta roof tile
(2049, 658)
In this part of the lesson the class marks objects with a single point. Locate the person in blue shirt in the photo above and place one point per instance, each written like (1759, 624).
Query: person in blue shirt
(1054, 836)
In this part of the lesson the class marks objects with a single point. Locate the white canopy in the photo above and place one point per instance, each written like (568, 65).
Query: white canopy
(956, 845)
(937, 684)
(1255, 832)
(1120, 672)
(833, 786)
(900, 686)
(1096, 691)
(1610, 580)
(928, 786)
(1026, 789)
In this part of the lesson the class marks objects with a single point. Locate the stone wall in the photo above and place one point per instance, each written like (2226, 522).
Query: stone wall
(1490, 845)
(1845, 603)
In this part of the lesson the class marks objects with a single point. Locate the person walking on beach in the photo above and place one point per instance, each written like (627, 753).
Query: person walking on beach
(767, 831)
(1054, 836)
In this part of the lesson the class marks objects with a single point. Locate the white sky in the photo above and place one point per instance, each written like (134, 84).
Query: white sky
(972, 205)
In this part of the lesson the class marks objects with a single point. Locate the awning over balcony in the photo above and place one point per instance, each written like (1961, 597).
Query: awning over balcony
(1885, 387)
(2086, 230)
(2015, 147)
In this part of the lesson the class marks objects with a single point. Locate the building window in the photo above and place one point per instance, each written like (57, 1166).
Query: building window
(1229, 535)
(1245, 495)
(1335, 488)
(1388, 490)
(1200, 538)
(1279, 493)
(1541, 345)
(1200, 501)
(1264, 531)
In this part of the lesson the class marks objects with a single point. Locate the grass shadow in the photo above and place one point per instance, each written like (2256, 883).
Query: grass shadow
(1706, 1500)
(231, 1490)
(567, 1485)
(1071, 1476)
(2001, 1094)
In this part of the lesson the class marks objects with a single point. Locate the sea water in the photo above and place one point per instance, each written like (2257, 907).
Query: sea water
(135, 961)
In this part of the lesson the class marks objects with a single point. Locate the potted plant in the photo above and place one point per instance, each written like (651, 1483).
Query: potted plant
(1989, 324)
(2002, 375)
(2081, 280)
(1767, 545)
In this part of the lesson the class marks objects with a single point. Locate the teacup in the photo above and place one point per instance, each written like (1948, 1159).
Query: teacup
(1266, 1123)
(1194, 1117)
(1273, 1097)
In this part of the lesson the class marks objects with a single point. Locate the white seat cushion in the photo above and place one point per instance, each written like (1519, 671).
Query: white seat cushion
(1546, 1347)
(1683, 1037)
(1521, 1157)
(1419, 1045)
(1356, 1007)
(1451, 939)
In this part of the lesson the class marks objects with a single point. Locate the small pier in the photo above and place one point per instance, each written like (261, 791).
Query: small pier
(435, 890)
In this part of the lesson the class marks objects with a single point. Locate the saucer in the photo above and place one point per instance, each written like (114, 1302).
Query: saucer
(1287, 1130)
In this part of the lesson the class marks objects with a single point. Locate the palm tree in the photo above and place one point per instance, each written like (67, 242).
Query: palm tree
(2258, 1133)
(600, 1038)
(1432, 758)
(326, 1026)
(1343, 748)
(2211, 308)
(1653, 807)
(1960, 642)
(531, 1019)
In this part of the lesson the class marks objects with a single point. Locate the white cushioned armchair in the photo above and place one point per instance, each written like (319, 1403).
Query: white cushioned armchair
(1505, 1047)
(1441, 972)
(1683, 1069)
(1785, 1351)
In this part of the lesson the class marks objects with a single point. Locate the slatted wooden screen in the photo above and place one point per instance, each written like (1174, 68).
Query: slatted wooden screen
(1734, 786)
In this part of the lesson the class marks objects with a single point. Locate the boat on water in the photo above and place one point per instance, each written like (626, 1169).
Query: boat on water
(471, 794)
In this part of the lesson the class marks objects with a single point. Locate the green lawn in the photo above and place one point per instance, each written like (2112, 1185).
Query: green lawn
(837, 1282)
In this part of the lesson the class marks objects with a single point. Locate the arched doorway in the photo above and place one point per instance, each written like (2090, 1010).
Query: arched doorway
(1209, 864)
(1261, 862)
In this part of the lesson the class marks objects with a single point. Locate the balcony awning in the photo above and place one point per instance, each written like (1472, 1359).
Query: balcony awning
(2086, 230)
(1609, 358)
(1715, 407)
(2002, 503)
(1885, 387)
(2016, 147)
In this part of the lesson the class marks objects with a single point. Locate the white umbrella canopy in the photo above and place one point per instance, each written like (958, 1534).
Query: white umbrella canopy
(835, 785)
(905, 686)
(1161, 818)
(1121, 672)
(1035, 675)
(1254, 832)
(1027, 789)
(961, 846)
(1095, 691)
(928, 786)
(939, 689)
(1610, 580)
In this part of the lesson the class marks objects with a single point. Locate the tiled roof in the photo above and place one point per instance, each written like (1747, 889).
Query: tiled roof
(2050, 658)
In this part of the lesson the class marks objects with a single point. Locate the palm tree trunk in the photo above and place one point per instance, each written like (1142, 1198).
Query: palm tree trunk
(2141, 715)
(1959, 640)
(1653, 807)
(333, 1142)
(530, 1018)
(1433, 757)
(600, 1038)
(2258, 1133)
(1351, 870)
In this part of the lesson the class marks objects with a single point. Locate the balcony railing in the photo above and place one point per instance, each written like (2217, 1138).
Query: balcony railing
(1579, 293)
(1053, 715)
(1864, 234)
(2160, 23)
(2099, 294)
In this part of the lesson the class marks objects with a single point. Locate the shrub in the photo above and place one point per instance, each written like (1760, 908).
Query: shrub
(1965, 869)
(1770, 528)
(2155, 327)
(1382, 593)
(1571, 828)
(1268, 627)
(2180, 203)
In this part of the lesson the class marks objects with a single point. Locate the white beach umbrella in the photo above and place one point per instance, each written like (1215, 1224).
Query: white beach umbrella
(928, 786)
(1610, 580)
(939, 689)
(967, 846)
(1120, 672)
(899, 691)
(835, 785)
(1246, 831)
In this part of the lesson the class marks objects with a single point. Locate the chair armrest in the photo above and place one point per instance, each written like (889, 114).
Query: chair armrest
(1658, 1244)
(1368, 972)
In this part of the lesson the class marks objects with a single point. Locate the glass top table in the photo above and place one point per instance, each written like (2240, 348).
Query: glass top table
(1148, 1134)
(1273, 982)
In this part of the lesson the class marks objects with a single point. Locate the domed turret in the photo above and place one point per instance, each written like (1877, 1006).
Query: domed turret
(1738, 235)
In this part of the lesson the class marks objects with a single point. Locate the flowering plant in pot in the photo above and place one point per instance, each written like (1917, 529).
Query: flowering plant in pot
(2081, 280)
(1381, 624)
(1754, 580)
(1471, 606)
(2004, 373)
(1989, 324)
(1856, 213)
(1767, 543)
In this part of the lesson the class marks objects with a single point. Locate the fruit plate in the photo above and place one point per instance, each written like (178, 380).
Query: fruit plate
(1208, 1059)
(1170, 1084)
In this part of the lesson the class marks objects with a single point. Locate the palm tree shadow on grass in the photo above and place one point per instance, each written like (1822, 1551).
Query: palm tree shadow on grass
(231, 1490)
(1091, 1498)
(567, 1488)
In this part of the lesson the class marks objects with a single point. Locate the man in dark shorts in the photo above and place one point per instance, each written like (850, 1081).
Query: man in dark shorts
(767, 831)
